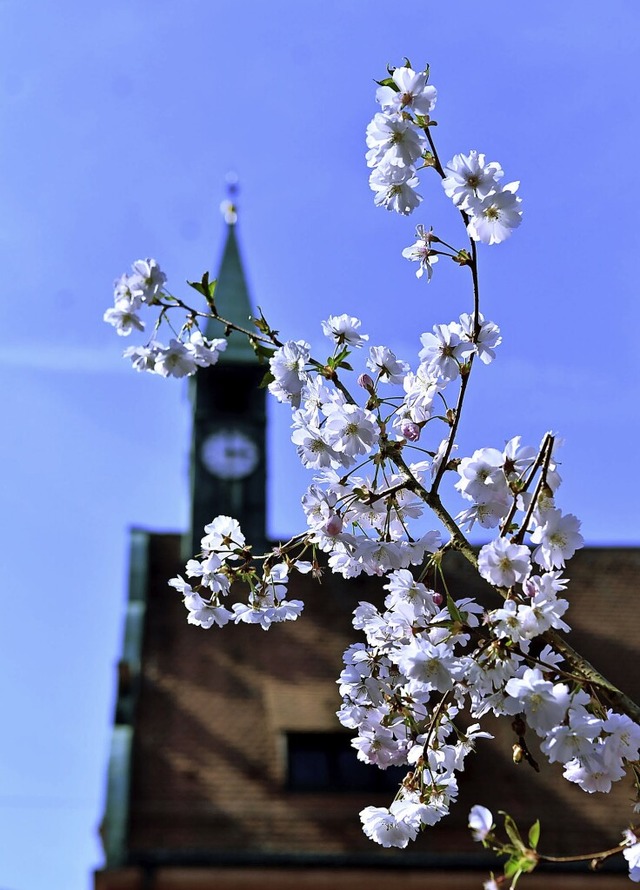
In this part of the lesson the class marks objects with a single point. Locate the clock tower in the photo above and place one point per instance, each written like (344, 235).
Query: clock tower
(228, 456)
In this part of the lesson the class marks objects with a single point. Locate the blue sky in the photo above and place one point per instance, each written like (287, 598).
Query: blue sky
(120, 122)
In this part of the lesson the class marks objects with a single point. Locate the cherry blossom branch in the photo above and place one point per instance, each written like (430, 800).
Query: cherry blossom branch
(544, 458)
(614, 696)
(229, 326)
(425, 642)
(476, 324)
(464, 375)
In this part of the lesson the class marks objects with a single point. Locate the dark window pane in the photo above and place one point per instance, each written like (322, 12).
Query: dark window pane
(308, 769)
(326, 761)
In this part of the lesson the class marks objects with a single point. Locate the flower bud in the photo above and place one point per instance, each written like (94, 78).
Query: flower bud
(410, 430)
(437, 598)
(365, 382)
(333, 525)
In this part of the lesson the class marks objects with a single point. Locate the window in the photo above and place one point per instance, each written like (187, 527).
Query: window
(326, 761)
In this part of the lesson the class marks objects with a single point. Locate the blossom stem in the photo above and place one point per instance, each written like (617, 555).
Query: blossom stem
(598, 857)
(334, 379)
(229, 325)
(476, 327)
(589, 674)
(476, 290)
(514, 506)
(544, 457)
(434, 151)
(454, 428)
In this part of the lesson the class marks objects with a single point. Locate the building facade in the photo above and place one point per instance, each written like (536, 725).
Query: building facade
(228, 768)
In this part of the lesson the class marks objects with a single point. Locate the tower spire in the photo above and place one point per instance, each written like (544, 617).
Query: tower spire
(232, 295)
(229, 206)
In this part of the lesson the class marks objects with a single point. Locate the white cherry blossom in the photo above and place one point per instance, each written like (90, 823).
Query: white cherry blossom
(422, 252)
(469, 177)
(504, 564)
(493, 218)
(480, 822)
(395, 188)
(383, 362)
(344, 329)
(391, 139)
(123, 318)
(175, 360)
(558, 537)
(351, 430)
(412, 94)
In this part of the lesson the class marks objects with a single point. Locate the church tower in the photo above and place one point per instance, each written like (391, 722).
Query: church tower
(228, 452)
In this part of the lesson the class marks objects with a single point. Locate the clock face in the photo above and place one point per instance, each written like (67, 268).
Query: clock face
(230, 454)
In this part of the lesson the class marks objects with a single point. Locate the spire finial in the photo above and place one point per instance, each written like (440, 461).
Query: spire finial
(229, 206)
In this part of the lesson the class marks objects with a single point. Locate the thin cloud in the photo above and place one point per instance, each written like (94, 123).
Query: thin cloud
(56, 357)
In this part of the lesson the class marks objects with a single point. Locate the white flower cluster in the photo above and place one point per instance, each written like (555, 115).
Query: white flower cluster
(182, 357)
(402, 692)
(223, 560)
(362, 529)
(397, 143)
(490, 478)
(143, 285)
(426, 662)
(493, 211)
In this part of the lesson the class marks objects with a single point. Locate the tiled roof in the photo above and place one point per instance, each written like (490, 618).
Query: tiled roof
(208, 764)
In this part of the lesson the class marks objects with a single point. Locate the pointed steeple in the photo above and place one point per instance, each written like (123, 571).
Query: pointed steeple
(232, 295)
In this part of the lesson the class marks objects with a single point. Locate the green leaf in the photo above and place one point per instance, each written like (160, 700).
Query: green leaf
(512, 831)
(205, 287)
(196, 285)
(211, 285)
(263, 352)
(341, 356)
(519, 865)
(454, 611)
(262, 324)
(534, 834)
(266, 380)
(512, 867)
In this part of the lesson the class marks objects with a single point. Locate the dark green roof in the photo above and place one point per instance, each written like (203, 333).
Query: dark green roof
(233, 303)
